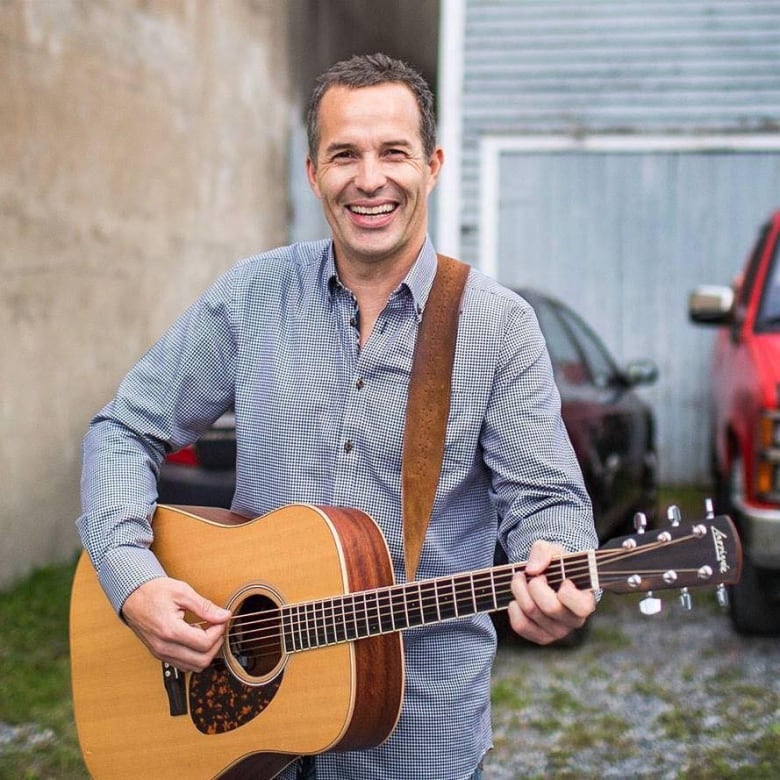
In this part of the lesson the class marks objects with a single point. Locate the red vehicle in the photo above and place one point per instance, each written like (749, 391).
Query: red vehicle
(746, 423)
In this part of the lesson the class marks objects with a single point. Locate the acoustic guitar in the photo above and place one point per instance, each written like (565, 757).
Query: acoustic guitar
(312, 659)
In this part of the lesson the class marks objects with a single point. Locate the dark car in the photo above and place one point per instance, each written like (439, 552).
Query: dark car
(612, 430)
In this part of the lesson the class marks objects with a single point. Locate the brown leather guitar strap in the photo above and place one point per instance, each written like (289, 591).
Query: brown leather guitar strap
(428, 404)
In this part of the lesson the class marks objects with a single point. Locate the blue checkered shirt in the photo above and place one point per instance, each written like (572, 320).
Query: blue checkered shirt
(320, 419)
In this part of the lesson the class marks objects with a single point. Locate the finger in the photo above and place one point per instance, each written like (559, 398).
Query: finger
(189, 599)
(525, 627)
(538, 613)
(540, 556)
(580, 602)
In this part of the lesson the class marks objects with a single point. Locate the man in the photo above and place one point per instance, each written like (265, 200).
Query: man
(312, 344)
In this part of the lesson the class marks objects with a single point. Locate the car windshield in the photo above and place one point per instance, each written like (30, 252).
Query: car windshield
(769, 311)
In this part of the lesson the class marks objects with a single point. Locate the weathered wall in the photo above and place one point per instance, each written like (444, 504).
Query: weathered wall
(143, 148)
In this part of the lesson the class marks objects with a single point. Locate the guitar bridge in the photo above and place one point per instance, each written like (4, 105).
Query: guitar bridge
(173, 680)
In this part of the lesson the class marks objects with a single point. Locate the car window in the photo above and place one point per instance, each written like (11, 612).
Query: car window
(746, 287)
(567, 359)
(600, 365)
(769, 311)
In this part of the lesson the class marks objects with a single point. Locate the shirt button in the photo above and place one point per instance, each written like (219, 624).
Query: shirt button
(360, 384)
(348, 446)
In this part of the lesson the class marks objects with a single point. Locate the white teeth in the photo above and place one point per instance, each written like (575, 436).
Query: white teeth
(371, 211)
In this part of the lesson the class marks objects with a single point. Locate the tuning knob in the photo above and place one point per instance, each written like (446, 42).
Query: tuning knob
(649, 605)
(674, 516)
(722, 595)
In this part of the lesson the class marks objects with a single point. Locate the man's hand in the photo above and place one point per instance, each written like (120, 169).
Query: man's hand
(155, 611)
(539, 613)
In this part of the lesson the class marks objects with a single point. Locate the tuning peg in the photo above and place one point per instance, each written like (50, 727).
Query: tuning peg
(721, 593)
(674, 515)
(685, 599)
(650, 605)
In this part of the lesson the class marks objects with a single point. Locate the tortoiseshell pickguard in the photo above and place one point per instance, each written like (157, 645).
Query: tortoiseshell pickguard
(220, 703)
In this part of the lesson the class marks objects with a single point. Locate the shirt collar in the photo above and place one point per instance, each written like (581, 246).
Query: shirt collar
(418, 281)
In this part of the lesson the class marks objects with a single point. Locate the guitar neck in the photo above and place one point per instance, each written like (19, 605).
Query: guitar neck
(705, 553)
(421, 602)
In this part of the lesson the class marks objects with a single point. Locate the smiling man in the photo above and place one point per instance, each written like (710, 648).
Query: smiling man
(312, 344)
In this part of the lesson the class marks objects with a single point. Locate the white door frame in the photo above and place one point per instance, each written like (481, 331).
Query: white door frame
(492, 147)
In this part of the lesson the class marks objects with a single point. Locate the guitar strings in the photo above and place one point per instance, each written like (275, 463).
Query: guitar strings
(371, 609)
(427, 594)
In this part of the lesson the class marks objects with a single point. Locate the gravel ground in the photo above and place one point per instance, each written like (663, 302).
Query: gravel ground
(675, 695)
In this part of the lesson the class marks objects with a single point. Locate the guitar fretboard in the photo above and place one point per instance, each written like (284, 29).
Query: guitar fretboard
(367, 613)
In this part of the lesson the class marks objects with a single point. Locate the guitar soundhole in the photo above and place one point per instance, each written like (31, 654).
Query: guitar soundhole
(254, 640)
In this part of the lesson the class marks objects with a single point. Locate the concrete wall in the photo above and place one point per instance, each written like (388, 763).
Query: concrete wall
(143, 148)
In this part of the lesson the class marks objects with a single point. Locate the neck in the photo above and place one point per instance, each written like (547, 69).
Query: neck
(372, 283)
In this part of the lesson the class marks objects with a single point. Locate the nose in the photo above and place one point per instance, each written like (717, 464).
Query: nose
(370, 175)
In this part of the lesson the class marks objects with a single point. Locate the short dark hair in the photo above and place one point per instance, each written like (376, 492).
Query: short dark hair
(370, 70)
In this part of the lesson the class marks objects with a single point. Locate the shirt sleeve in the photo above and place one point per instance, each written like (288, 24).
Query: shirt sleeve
(537, 482)
(177, 389)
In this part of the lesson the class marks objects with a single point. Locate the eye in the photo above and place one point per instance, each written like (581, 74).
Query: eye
(395, 154)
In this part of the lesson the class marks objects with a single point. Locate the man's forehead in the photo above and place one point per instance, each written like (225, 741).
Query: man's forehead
(378, 108)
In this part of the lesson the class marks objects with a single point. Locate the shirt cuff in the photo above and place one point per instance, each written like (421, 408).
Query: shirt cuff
(126, 568)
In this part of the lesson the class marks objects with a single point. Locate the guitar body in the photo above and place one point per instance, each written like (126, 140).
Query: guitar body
(254, 722)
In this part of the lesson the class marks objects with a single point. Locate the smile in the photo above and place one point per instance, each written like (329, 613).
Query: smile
(373, 211)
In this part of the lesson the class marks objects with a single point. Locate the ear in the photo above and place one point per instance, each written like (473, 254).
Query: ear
(311, 175)
(435, 164)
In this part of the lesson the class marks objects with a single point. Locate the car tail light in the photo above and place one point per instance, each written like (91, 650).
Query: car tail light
(187, 456)
(767, 480)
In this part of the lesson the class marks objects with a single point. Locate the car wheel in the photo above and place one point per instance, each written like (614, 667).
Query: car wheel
(753, 610)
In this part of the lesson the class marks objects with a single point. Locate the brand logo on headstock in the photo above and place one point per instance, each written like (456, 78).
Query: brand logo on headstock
(720, 549)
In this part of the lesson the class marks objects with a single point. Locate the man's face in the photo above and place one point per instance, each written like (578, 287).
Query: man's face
(371, 173)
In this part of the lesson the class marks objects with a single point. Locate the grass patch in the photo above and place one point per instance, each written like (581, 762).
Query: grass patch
(35, 699)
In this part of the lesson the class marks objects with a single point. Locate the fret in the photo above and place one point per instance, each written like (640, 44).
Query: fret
(445, 599)
(309, 624)
(465, 602)
(386, 617)
(299, 619)
(316, 611)
(352, 629)
(503, 589)
(483, 592)
(366, 626)
(493, 587)
(330, 629)
(429, 606)
(414, 607)
(339, 623)
(398, 608)
(374, 625)
(288, 641)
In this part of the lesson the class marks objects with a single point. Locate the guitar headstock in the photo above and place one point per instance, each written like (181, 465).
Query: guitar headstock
(684, 555)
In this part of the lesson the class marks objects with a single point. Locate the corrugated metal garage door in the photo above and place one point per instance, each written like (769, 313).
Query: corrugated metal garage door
(623, 237)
